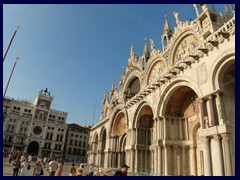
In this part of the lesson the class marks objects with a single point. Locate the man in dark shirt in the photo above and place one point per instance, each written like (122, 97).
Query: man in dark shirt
(122, 171)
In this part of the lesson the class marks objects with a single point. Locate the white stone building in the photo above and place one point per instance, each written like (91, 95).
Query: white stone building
(34, 128)
(173, 113)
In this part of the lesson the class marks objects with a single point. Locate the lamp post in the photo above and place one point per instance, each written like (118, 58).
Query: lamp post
(10, 77)
(10, 43)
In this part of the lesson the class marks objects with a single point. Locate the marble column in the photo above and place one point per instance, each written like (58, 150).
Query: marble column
(134, 136)
(136, 161)
(159, 161)
(155, 128)
(175, 167)
(166, 160)
(219, 108)
(180, 129)
(142, 162)
(156, 161)
(146, 160)
(219, 156)
(184, 162)
(160, 128)
(227, 154)
(201, 104)
(131, 160)
(165, 128)
(213, 118)
(193, 160)
(207, 156)
(186, 129)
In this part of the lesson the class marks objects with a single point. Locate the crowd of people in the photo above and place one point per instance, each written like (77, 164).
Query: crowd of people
(22, 163)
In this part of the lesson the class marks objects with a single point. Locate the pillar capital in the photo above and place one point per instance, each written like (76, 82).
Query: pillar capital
(210, 97)
(225, 136)
(204, 139)
(217, 137)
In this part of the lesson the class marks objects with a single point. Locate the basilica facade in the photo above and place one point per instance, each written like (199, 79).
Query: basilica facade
(174, 110)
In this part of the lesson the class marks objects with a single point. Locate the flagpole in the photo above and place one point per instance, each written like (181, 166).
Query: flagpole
(10, 78)
(10, 43)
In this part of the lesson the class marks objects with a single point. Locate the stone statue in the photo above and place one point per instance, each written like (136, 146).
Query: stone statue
(152, 44)
(176, 15)
(132, 51)
(206, 121)
(154, 52)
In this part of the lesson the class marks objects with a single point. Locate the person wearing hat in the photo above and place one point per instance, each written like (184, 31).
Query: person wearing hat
(122, 171)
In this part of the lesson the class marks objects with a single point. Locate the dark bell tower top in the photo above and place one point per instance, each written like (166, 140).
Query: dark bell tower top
(44, 99)
(46, 92)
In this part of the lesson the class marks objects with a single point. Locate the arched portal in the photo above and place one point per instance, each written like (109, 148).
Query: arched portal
(144, 125)
(103, 144)
(181, 121)
(227, 86)
(118, 132)
(33, 148)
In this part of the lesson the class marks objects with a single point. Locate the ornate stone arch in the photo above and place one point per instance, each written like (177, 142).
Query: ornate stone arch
(170, 89)
(222, 62)
(130, 78)
(95, 137)
(186, 42)
(102, 131)
(118, 123)
(155, 69)
(138, 111)
(223, 79)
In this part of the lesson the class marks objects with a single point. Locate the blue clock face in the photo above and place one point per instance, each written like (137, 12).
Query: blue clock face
(37, 130)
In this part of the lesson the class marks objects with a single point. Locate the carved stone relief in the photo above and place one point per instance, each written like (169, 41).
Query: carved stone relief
(156, 71)
(186, 46)
(202, 74)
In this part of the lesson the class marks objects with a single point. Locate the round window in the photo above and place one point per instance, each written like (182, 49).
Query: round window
(37, 130)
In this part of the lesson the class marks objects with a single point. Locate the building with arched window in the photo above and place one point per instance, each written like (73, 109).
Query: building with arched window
(173, 113)
(34, 128)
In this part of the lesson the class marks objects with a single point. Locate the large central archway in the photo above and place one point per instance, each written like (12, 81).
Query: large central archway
(182, 124)
(33, 148)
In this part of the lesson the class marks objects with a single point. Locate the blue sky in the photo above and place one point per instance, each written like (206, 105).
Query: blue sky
(78, 50)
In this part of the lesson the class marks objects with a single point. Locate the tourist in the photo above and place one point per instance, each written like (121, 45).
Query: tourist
(37, 169)
(72, 171)
(22, 158)
(52, 167)
(30, 158)
(79, 171)
(16, 165)
(59, 168)
(91, 169)
(10, 158)
(122, 171)
(25, 166)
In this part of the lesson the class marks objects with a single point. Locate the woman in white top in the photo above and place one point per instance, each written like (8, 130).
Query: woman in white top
(24, 168)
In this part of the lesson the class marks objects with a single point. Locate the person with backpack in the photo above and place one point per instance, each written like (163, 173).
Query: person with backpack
(16, 166)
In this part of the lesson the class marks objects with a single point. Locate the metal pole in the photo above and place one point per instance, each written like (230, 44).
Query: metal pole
(10, 78)
(10, 44)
